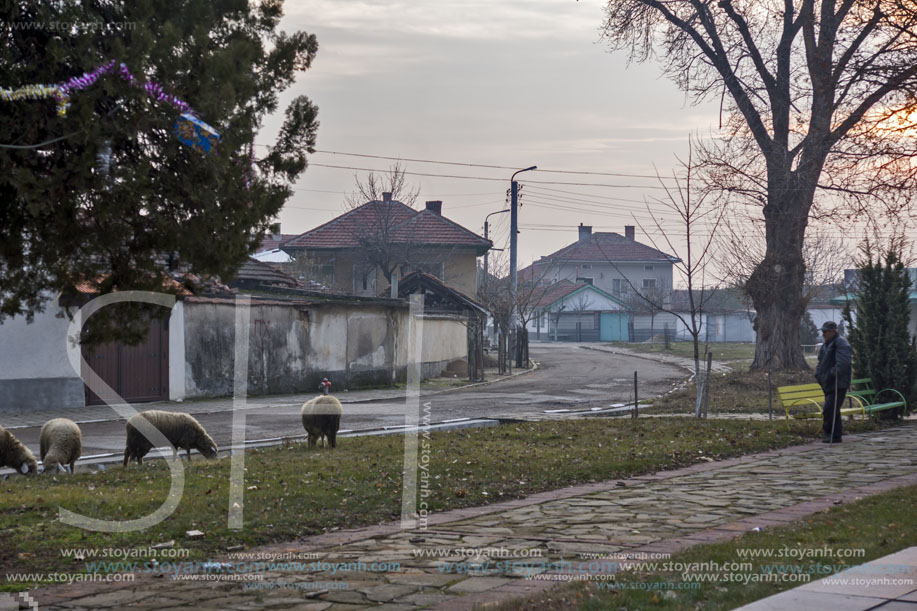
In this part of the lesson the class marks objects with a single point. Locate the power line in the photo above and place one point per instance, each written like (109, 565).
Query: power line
(493, 167)
(538, 182)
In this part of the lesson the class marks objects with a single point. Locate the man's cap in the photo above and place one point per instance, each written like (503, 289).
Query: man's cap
(829, 326)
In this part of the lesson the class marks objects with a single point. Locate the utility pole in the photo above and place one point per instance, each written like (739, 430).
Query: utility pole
(513, 230)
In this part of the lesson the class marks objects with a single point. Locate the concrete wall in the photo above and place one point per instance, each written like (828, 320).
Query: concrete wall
(34, 368)
(292, 348)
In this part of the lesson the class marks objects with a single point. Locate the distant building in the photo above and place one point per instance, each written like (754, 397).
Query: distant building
(612, 262)
(344, 251)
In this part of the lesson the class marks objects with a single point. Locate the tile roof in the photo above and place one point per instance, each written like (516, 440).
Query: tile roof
(607, 246)
(254, 271)
(406, 225)
(418, 279)
(557, 291)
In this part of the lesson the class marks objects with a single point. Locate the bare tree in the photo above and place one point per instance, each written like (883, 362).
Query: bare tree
(818, 98)
(738, 253)
(696, 218)
(372, 188)
(650, 301)
(384, 202)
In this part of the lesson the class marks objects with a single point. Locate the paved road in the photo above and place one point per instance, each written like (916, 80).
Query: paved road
(568, 376)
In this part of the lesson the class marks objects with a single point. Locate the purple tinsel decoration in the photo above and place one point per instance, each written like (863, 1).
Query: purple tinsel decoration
(154, 90)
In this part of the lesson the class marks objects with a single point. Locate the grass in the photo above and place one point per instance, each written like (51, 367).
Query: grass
(876, 525)
(293, 491)
(722, 351)
(736, 392)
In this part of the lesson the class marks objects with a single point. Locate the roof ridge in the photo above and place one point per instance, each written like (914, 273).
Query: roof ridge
(345, 215)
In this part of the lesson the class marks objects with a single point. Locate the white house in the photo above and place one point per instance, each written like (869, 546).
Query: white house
(567, 311)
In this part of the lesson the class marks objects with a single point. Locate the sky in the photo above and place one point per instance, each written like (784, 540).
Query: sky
(514, 84)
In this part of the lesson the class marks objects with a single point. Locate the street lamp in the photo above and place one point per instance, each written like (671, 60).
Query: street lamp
(485, 237)
(513, 230)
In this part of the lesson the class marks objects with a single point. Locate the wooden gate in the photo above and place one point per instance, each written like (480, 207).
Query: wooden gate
(139, 374)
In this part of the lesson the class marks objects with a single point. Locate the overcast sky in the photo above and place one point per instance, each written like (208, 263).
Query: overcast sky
(512, 83)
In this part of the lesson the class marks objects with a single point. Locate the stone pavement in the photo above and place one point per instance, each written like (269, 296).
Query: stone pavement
(471, 557)
(885, 584)
(95, 413)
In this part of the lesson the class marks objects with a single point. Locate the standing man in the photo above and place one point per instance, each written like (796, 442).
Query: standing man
(833, 374)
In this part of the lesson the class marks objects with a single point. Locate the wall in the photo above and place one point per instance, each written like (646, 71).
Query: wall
(34, 369)
(292, 347)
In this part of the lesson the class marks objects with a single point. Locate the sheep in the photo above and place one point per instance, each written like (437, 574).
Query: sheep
(61, 444)
(180, 429)
(321, 417)
(15, 455)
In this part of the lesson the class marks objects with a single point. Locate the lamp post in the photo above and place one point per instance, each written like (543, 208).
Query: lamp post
(486, 237)
(513, 230)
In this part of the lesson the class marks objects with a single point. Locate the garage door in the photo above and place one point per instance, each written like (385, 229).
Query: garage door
(614, 327)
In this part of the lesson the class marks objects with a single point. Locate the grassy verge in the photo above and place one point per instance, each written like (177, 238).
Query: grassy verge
(293, 491)
(722, 351)
(736, 392)
(869, 528)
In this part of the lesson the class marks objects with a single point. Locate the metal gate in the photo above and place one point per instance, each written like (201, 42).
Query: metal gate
(614, 327)
(139, 374)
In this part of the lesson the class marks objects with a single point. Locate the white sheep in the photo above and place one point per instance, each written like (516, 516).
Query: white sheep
(15, 455)
(61, 444)
(321, 417)
(180, 429)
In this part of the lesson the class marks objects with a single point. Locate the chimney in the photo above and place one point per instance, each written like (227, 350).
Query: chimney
(436, 207)
(585, 231)
(386, 197)
(629, 232)
(275, 232)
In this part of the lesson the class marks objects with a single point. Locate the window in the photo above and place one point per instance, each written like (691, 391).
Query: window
(648, 268)
(586, 266)
(584, 280)
(649, 283)
(617, 286)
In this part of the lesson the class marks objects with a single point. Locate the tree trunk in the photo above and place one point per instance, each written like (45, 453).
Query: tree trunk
(775, 286)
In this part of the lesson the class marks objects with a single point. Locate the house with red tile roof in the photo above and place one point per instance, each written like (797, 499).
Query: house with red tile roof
(360, 249)
(571, 311)
(612, 262)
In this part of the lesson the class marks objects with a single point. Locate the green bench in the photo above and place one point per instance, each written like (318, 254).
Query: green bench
(805, 401)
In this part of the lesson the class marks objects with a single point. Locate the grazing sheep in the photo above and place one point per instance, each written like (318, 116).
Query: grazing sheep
(321, 417)
(15, 455)
(61, 444)
(179, 428)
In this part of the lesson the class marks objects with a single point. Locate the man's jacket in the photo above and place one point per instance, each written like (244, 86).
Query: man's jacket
(834, 362)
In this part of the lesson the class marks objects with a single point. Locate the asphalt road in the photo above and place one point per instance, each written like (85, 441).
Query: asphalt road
(569, 376)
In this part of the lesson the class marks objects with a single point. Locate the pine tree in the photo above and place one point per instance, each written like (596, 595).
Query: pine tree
(72, 212)
(883, 348)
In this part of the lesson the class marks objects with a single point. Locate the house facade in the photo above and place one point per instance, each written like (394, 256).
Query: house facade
(568, 311)
(353, 252)
(617, 264)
